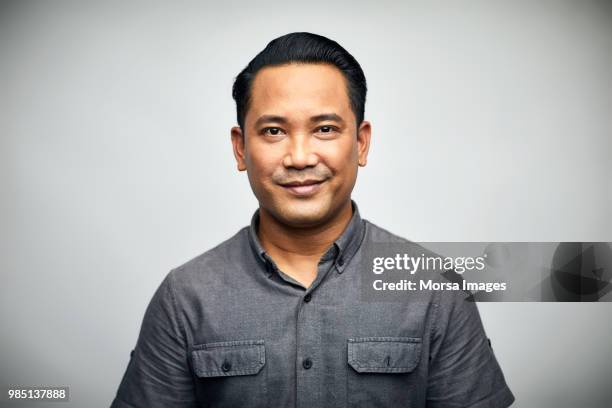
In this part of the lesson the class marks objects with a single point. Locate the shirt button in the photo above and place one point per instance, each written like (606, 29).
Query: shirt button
(340, 261)
(307, 297)
(307, 363)
(226, 366)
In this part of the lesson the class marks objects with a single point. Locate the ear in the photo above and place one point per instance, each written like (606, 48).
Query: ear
(238, 144)
(364, 134)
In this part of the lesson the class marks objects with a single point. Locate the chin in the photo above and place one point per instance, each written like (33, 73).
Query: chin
(303, 213)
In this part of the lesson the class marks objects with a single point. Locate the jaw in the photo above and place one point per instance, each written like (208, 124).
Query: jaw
(310, 212)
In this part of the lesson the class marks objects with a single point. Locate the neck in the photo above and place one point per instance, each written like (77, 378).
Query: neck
(287, 242)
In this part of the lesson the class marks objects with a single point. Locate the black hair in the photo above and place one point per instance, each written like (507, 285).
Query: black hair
(302, 47)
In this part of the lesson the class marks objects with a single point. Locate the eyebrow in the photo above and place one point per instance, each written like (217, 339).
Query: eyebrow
(270, 118)
(327, 116)
(283, 120)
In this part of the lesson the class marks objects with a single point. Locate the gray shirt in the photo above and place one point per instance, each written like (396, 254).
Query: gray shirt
(229, 329)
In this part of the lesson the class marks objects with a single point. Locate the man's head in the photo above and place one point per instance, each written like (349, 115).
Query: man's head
(301, 134)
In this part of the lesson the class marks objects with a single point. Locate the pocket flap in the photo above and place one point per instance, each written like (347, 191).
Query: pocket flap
(229, 358)
(384, 354)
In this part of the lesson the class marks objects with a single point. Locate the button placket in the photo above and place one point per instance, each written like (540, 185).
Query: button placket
(308, 342)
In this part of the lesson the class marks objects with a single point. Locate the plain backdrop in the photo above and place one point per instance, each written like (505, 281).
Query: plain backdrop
(491, 122)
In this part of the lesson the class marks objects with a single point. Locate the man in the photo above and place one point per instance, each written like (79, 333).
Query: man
(273, 317)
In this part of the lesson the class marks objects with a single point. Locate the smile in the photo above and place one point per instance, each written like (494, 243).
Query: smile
(305, 188)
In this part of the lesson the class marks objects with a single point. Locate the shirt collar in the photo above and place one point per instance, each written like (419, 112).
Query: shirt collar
(346, 244)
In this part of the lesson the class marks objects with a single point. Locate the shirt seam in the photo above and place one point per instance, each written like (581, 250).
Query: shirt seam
(433, 328)
(434, 314)
(179, 321)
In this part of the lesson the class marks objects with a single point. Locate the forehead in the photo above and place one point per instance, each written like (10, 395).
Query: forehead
(298, 88)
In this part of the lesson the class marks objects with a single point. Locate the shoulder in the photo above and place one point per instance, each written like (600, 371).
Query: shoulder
(381, 237)
(380, 234)
(209, 266)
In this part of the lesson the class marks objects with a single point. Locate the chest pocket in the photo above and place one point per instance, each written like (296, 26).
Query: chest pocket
(231, 373)
(382, 372)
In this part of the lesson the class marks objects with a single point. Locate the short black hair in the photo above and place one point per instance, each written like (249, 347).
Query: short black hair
(302, 47)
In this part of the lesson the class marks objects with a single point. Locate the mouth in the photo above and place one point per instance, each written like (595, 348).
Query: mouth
(304, 188)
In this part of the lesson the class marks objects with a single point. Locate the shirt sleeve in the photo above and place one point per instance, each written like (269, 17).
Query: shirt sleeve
(464, 372)
(158, 373)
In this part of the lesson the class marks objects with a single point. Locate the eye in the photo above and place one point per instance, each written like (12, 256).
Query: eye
(272, 131)
(327, 130)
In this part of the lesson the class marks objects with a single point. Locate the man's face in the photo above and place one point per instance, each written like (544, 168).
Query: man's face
(300, 144)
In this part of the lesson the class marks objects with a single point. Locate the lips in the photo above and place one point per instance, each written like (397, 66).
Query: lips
(303, 188)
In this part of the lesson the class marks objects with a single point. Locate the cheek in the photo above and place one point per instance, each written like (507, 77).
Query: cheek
(262, 162)
(260, 159)
(340, 156)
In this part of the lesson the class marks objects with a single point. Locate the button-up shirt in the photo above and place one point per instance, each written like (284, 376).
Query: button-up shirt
(230, 329)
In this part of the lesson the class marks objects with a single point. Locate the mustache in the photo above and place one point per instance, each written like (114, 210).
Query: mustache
(286, 176)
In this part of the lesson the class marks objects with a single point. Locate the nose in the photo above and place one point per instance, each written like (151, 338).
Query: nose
(300, 153)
